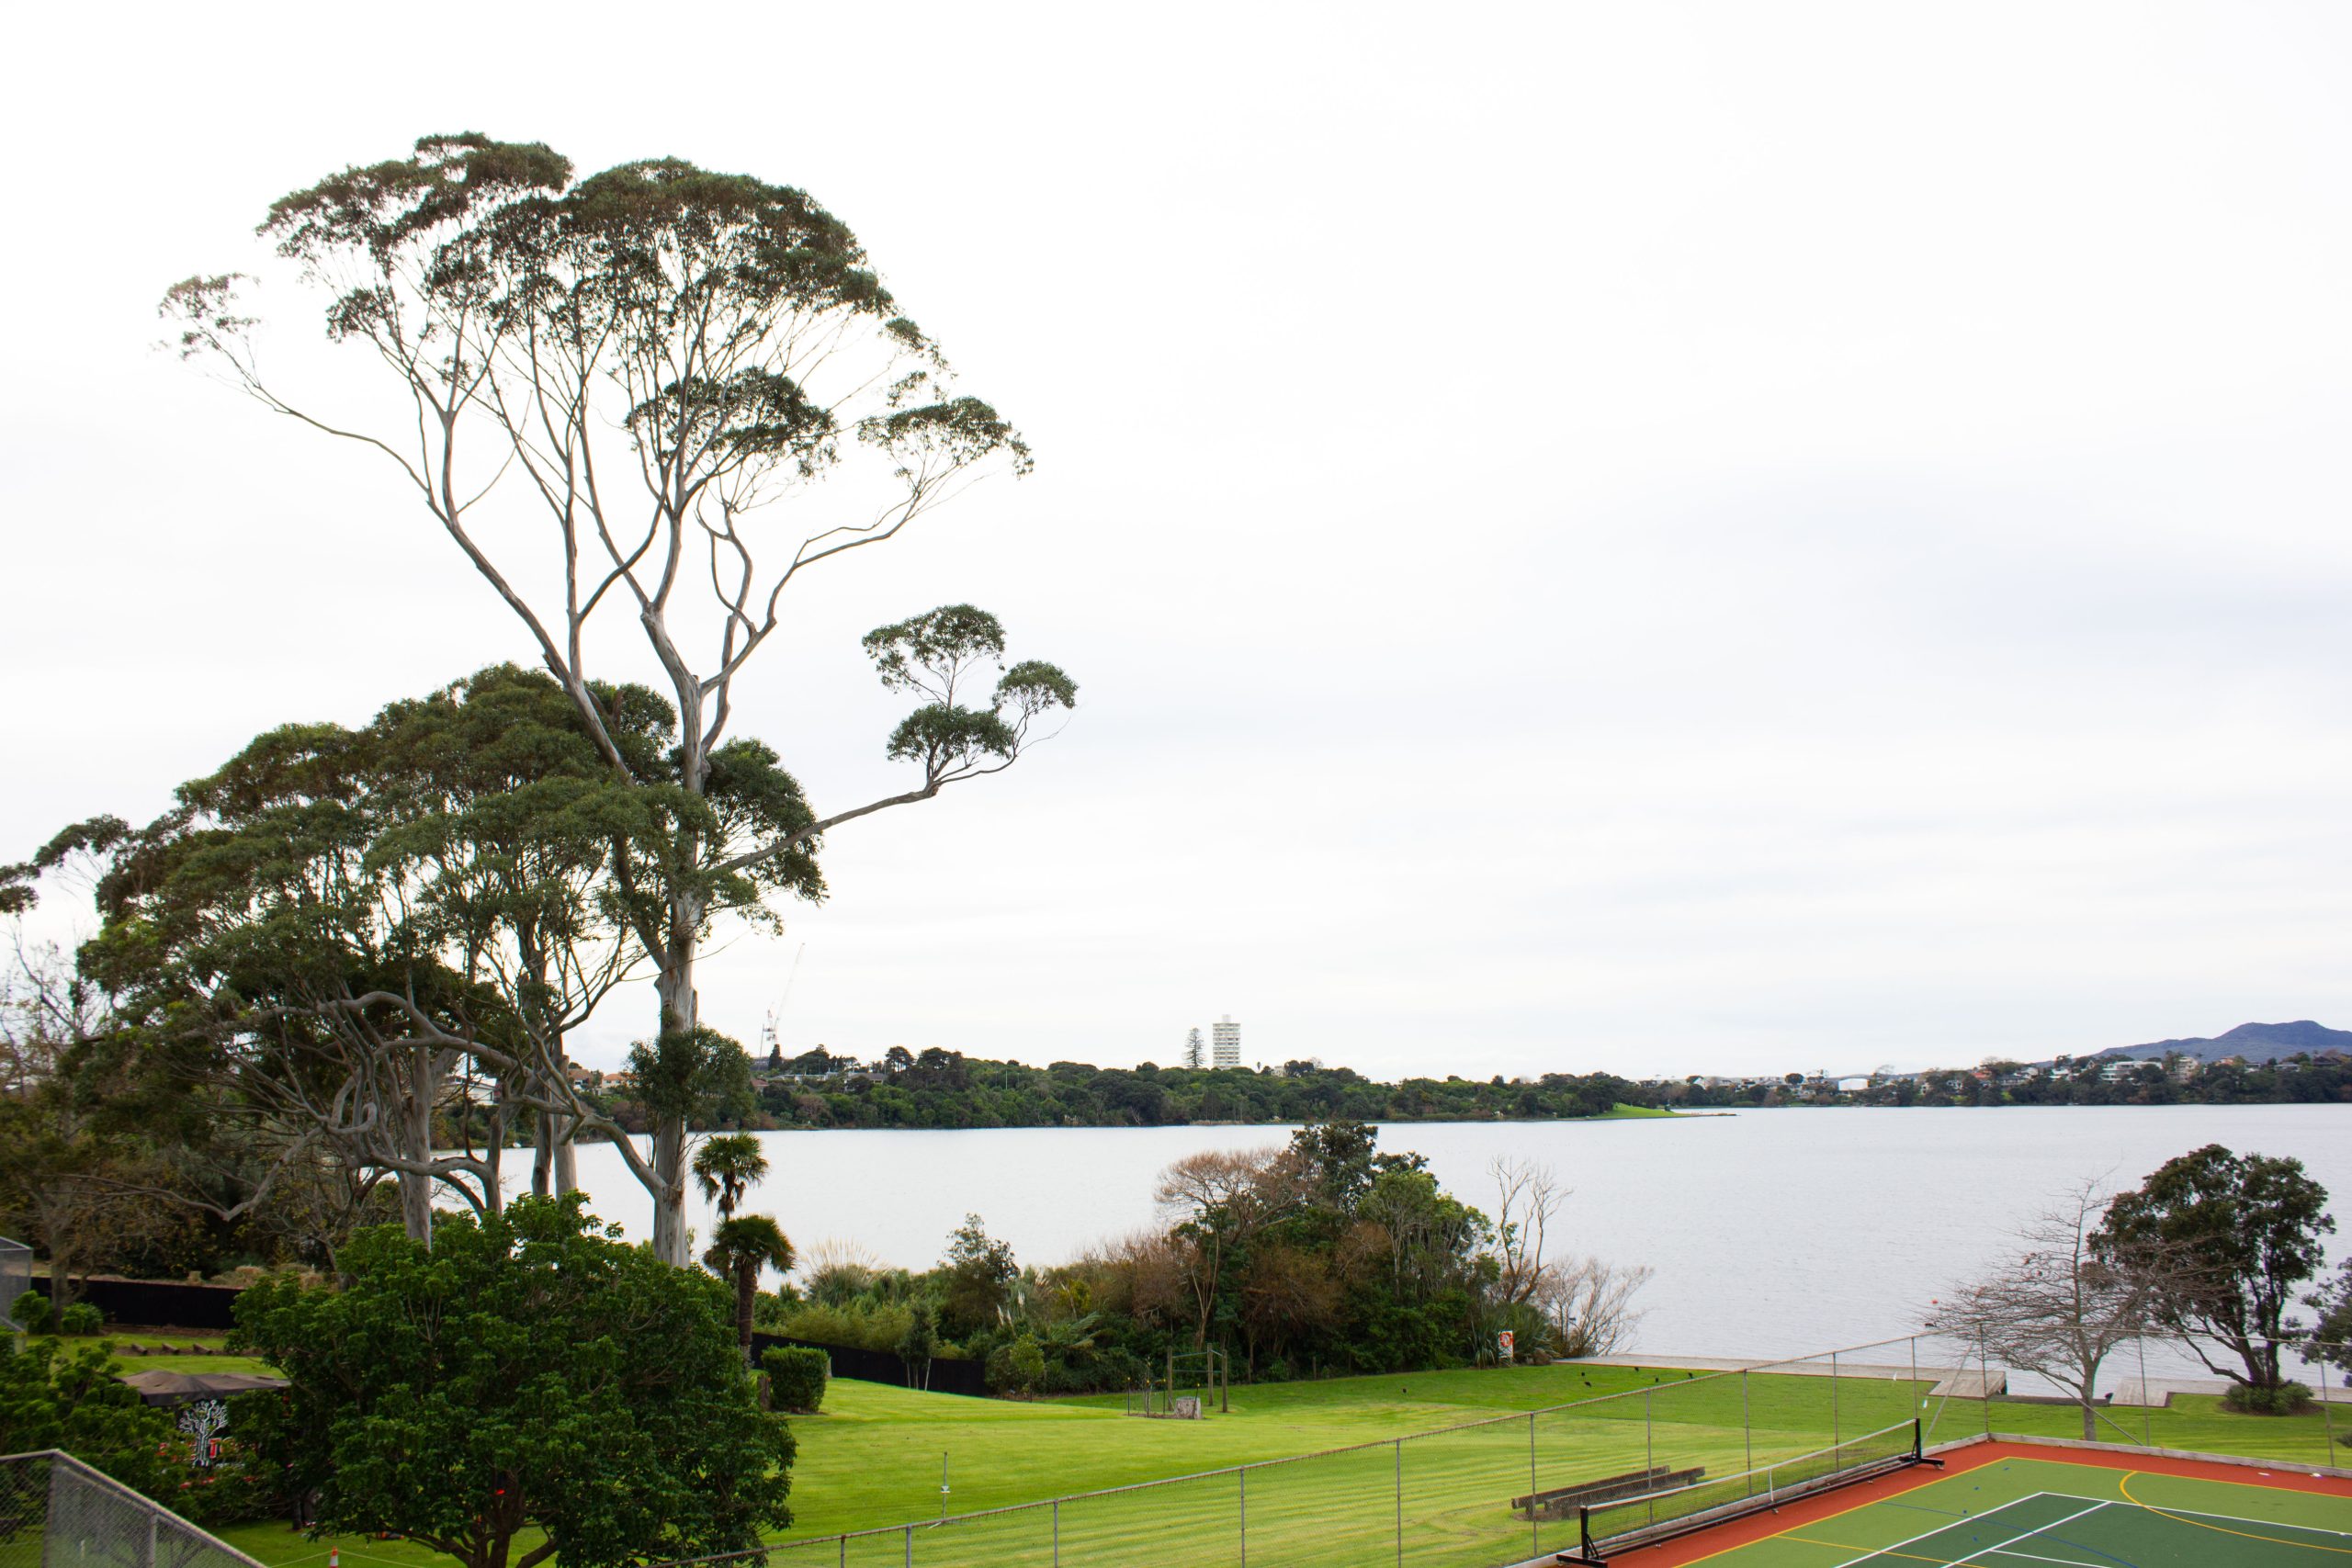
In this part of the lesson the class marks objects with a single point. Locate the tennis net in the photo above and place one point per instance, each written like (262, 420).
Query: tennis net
(1648, 1517)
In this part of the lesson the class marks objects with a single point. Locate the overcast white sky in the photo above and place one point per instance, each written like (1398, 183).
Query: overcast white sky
(1664, 537)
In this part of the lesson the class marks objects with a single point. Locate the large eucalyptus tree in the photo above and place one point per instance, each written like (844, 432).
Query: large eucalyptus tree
(663, 363)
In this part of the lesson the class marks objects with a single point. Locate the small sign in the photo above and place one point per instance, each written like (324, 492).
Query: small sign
(1503, 1343)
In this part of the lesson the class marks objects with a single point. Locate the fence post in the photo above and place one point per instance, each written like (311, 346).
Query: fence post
(843, 1558)
(1057, 1533)
(1748, 1432)
(1984, 1381)
(1649, 1456)
(1836, 1434)
(2326, 1413)
(911, 1547)
(1534, 1513)
(1400, 1503)
(1241, 1480)
(151, 1541)
(2147, 1401)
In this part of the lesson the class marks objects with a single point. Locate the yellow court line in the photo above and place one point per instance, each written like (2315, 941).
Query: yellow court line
(2124, 1487)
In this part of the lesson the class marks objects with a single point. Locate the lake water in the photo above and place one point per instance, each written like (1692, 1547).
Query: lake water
(1772, 1232)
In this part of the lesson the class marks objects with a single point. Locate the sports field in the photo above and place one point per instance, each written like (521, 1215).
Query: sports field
(2006, 1507)
(873, 1460)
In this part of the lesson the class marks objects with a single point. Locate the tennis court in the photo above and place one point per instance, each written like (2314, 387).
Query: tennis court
(2016, 1512)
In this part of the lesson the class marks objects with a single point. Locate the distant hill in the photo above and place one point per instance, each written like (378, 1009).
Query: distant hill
(2255, 1041)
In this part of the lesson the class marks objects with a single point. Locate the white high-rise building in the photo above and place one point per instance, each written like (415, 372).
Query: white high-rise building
(1225, 1042)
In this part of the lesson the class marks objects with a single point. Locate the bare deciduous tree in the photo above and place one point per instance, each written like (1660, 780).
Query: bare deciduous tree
(1591, 1303)
(2054, 1307)
(1528, 1198)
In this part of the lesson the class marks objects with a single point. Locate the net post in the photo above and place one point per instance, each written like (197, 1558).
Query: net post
(1584, 1532)
(1919, 1440)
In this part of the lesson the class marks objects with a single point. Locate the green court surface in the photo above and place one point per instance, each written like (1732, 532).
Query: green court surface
(2032, 1514)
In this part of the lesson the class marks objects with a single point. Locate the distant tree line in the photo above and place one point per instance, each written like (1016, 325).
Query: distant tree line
(2300, 1079)
(938, 1087)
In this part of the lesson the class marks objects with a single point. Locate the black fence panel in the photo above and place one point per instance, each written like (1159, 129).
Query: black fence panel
(880, 1366)
(158, 1303)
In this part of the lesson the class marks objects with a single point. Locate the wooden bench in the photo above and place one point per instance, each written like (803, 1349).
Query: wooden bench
(1562, 1502)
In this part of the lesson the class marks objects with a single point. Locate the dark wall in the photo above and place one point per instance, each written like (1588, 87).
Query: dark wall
(158, 1303)
(878, 1366)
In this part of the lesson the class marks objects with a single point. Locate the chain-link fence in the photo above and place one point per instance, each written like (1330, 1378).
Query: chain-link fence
(16, 1279)
(1509, 1489)
(56, 1512)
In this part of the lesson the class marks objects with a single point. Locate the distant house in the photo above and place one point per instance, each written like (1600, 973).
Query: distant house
(1854, 1085)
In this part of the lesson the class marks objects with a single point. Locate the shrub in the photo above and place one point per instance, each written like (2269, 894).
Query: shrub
(859, 1325)
(797, 1377)
(31, 1311)
(1017, 1367)
(82, 1317)
(2286, 1399)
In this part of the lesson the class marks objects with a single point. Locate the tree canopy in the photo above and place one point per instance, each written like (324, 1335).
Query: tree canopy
(2240, 1234)
(526, 1372)
(658, 361)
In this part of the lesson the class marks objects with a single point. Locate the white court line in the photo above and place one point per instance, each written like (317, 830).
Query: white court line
(2071, 1563)
(1940, 1529)
(2070, 1519)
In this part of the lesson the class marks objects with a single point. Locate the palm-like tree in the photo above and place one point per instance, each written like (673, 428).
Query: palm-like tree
(726, 1166)
(739, 1247)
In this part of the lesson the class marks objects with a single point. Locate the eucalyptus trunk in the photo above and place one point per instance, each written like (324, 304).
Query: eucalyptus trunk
(416, 1146)
(676, 987)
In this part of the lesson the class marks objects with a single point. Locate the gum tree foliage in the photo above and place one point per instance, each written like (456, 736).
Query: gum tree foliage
(340, 927)
(664, 365)
(2240, 1233)
(527, 1373)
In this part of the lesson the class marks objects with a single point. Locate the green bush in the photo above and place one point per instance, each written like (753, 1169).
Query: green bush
(859, 1325)
(797, 1377)
(31, 1311)
(2286, 1399)
(1017, 1367)
(82, 1317)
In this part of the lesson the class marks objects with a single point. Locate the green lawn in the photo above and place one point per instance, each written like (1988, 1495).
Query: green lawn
(874, 1460)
